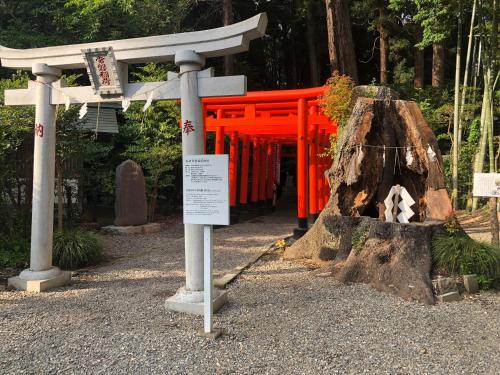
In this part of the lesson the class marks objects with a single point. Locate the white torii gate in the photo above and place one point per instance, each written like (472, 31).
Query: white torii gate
(106, 63)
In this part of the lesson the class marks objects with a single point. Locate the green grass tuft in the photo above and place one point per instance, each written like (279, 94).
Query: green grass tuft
(75, 248)
(460, 254)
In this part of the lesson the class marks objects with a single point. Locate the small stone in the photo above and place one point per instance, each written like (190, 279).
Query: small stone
(470, 283)
(449, 297)
(446, 285)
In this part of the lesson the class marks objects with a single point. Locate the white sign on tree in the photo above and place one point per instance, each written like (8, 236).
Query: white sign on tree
(486, 185)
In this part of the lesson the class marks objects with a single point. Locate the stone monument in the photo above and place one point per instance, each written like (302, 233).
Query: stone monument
(131, 208)
(130, 196)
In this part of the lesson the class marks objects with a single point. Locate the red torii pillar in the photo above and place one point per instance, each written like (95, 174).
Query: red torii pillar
(321, 171)
(254, 196)
(313, 168)
(219, 135)
(233, 175)
(301, 169)
(245, 161)
(263, 173)
(270, 175)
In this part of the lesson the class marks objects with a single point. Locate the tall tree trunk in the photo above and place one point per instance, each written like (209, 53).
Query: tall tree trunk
(152, 204)
(332, 46)
(293, 62)
(437, 65)
(343, 35)
(466, 74)
(311, 45)
(228, 17)
(384, 46)
(456, 111)
(419, 59)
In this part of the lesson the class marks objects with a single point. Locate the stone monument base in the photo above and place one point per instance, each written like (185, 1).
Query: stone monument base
(192, 302)
(40, 281)
(133, 229)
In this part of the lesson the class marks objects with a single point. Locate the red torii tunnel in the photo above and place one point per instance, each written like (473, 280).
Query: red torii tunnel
(260, 125)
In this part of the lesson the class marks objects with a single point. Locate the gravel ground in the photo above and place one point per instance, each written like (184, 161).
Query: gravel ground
(281, 319)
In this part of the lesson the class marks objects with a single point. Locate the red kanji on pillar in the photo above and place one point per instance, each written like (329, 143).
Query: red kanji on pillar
(39, 130)
(188, 127)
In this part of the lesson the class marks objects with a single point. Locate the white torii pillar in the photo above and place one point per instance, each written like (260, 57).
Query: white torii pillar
(190, 297)
(42, 275)
(189, 51)
(189, 64)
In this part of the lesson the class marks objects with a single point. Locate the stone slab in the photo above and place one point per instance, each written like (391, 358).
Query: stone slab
(133, 229)
(470, 283)
(214, 335)
(38, 286)
(222, 281)
(446, 285)
(449, 297)
(195, 308)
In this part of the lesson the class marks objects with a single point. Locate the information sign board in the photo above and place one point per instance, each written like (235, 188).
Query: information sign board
(486, 185)
(206, 189)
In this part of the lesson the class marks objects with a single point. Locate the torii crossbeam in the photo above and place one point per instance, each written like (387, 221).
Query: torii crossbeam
(106, 63)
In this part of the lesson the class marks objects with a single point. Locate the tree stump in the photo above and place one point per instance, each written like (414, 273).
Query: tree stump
(351, 233)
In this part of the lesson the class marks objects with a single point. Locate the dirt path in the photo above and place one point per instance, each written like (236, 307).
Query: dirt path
(476, 224)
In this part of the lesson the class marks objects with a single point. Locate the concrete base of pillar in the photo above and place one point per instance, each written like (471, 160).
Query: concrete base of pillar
(214, 335)
(299, 232)
(270, 205)
(233, 219)
(133, 229)
(254, 209)
(313, 217)
(33, 281)
(192, 302)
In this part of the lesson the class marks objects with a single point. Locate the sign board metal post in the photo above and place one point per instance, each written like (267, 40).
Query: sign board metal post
(206, 202)
(208, 308)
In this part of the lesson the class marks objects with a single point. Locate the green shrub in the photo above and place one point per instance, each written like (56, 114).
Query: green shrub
(461, 254)
(75, 248)
(14, 237)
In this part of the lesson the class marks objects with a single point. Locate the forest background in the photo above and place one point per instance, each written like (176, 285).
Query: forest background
(440, 53)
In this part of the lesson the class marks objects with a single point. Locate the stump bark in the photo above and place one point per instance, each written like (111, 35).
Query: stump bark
(351, 233)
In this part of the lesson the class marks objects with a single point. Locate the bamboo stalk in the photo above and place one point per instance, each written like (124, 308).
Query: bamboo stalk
(466, 74)
(456, 112)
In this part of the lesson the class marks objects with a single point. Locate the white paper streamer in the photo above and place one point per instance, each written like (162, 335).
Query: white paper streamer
(431, 154)
(383, 157)
(83, 111)
(125, 104)
(67, 102)
(409, 156)
(148, 102)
